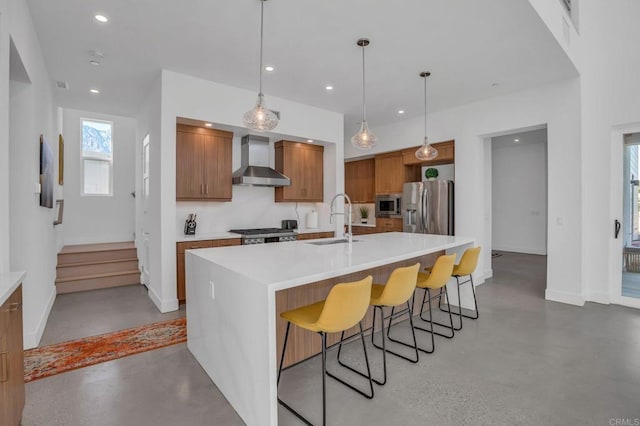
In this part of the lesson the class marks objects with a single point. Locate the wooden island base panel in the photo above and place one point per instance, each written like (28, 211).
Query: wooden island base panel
(303, 344)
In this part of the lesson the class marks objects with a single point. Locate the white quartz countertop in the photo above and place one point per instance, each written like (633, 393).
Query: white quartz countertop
(227, 235)
(290, 264)
(8, 283)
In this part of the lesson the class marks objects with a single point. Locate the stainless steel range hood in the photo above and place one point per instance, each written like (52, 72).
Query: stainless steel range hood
(254, 169)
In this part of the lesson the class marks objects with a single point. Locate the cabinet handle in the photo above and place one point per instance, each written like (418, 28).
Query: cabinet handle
(4, 367)
(206, 188)
(13, 307)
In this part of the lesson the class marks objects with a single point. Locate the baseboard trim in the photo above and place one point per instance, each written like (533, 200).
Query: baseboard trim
(542, 252)
(32, 340)
(488, 273)
(563, 297)
(598, 297)
(163, 306)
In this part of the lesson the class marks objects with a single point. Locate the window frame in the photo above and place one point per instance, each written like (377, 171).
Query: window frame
(96, 157)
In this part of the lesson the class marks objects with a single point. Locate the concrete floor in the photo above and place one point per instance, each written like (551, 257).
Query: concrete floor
(88, 313)
(526, 362)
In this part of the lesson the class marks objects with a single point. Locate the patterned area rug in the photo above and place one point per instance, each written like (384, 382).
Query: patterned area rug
(61, 357)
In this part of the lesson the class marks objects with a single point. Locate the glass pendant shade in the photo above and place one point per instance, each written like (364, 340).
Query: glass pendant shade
(426, 152)
(260, 118)
(364, 139)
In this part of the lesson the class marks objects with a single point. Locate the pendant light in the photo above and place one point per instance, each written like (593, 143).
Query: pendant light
(260, 118)
(426, 151)
(364, 139)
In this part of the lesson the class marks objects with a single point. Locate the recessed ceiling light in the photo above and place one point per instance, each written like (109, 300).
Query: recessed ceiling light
(495, 84)
(400, 111)
(94, 62)
(94, 91)
(310, 140)
(101, 18)
(269, 68)
(516, 140)
(328, 88)
(208, 124)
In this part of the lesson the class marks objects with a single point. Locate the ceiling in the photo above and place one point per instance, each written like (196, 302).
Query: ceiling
(467, 45)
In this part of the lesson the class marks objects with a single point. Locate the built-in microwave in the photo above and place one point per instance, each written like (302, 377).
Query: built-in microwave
(388, 205)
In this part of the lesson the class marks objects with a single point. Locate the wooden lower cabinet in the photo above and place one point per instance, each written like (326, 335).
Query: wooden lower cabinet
(315, 235)
(363, 230)
(180, 261)
(388, 224)
(11, 360)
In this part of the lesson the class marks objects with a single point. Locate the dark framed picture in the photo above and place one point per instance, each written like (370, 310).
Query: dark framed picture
(60, 160)
(46, 174)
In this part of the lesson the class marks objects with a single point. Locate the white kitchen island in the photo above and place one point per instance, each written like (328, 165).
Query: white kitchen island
(231, 303)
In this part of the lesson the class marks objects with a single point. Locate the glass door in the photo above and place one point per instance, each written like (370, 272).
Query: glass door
(629, 229)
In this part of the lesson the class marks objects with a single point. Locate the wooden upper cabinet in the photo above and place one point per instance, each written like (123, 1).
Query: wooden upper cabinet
(359, 180)
(446, 155)
(304, 165)
(390, 173)
(203, 164)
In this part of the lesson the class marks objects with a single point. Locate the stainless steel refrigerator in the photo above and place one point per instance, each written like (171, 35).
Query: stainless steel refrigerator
(427, 207)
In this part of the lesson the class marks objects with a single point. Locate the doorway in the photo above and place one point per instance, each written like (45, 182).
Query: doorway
(629, 228)
(518, 176)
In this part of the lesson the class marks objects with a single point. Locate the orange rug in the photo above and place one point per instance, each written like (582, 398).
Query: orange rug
(66, 356)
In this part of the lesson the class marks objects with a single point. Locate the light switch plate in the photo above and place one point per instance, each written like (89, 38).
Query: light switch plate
(212, 290)
(37, 188)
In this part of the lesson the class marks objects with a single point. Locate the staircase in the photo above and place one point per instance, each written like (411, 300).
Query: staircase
(93, 266)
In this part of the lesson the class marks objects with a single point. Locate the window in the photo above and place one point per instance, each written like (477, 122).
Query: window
(97, 157)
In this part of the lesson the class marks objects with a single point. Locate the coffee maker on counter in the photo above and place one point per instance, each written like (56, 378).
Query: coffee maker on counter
(190, 224)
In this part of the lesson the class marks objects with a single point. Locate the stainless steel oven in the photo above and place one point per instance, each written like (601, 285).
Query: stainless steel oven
(388, 205)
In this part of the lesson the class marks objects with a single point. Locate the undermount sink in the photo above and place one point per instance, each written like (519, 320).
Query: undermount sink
(330, 242)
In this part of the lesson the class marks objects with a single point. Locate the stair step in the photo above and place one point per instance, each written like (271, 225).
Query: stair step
(95, 256)
(86, 248)
(97, 281)
(92, 268)
(100, 275)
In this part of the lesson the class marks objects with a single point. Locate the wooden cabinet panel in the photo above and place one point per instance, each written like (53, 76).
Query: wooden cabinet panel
(359, 180)
(180, 260)
(389, 171)
(315, 235)
(12, 395)
(203, 164)
(217, 172)
(363, 230)
(304, 165)
(446, 155)
(189, 165)
(388, 224)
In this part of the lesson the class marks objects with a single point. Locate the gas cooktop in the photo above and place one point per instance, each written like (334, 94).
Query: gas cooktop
(261, 231)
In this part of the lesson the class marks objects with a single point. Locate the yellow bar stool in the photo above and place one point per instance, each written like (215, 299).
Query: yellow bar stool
(436, 279)
(466, 267)
(398, 290)
(345, 306)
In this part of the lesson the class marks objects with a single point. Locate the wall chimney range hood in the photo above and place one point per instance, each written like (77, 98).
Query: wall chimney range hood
(254, 169)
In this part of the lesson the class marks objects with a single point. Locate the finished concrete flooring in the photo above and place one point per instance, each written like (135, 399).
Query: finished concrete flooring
(526, 361)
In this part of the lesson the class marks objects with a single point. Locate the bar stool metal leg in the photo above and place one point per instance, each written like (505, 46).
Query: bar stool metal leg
(366, 358)
(476, 314)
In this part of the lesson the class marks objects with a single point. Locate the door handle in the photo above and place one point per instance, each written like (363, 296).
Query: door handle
(617, 226)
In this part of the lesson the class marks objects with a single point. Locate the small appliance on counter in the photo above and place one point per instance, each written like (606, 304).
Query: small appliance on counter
(312, 219)
(289, 224)
(190, 224)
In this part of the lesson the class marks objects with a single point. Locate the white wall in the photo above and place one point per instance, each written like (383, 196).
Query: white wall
(610, 98)
(4, 137)
(558, 106)
(96, 219)
(33, 237)
(519, 195)
(185, 96)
